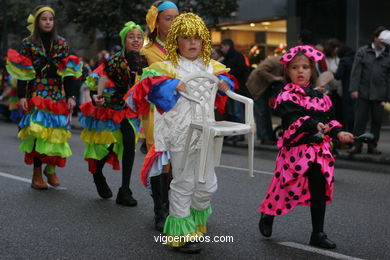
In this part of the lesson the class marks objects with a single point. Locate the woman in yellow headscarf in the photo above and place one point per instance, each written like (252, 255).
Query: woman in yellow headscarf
(42, 67)
(159, 19)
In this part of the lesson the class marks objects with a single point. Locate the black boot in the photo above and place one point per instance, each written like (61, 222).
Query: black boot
(160, 198)
(265, 224)
(320, 239)
(125, 198)
(102, 187)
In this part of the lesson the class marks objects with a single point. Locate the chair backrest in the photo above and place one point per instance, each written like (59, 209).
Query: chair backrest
(202, 86)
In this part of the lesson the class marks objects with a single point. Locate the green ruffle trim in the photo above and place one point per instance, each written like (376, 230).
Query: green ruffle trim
(201, 216)
(70, 72)
(21, 74)
(91, 83)
(150, 73)
(175, 226)
(41, 146)
(99, 151)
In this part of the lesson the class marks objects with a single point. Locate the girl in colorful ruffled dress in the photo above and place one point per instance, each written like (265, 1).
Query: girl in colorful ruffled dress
(305, 164)
(44, 70)
(110, 126)
(188, 51)
(159, 18)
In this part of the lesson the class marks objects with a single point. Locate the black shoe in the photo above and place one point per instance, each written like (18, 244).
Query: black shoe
(143, 148)
(190, 248)
(160, 198)
(102, 187)
(321, 240)
(125, 198)
(265, 224)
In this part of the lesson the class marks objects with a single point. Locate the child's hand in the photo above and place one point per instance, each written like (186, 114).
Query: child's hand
(322, 127)
(23, 104)
(99, 100)
(223, 85)
(345, 137)
(181, 87)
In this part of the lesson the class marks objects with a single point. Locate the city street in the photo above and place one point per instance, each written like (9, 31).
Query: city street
(72, 222)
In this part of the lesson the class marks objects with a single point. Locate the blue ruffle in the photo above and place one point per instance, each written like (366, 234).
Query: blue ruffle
(44, 119)
(88, 122)
(164, 94)
(73, 65)
(228, 80)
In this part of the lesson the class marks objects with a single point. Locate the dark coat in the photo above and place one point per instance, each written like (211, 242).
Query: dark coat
(370, 75)
(238, 68)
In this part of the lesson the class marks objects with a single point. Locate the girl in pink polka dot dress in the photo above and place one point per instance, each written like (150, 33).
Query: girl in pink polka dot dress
(305, 165)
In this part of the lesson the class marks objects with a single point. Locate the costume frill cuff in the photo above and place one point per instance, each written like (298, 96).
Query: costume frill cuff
(93, 79)
(200, 218)
(70, 66)
(179, 231)
(19, 66)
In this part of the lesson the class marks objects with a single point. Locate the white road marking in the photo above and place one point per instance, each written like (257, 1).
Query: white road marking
(10, 176)
(318, 251)
(244, 169)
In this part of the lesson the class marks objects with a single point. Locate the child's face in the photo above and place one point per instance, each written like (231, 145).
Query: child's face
(46, 21)
(299, 70)
(134, 40)
(190, 47)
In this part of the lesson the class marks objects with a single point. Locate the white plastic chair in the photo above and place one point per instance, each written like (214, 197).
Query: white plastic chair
(201, 89)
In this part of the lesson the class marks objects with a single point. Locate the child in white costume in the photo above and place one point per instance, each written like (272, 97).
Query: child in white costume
(188, 51)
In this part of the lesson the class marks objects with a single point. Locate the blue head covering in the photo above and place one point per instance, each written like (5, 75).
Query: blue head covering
(166, 5)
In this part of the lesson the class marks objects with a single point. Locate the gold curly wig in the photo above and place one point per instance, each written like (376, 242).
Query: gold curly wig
(188, 24)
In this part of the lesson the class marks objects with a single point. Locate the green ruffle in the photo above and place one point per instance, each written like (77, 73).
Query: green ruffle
(43, 147)
(20, 74)
(175, 226)
(201, 216)
(150, 73)
(99, 151)
(70, 72)
(91, 83)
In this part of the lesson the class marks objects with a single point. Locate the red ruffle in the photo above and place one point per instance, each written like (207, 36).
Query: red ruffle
(141, 90)
(65, 61)
(105, 114)
(100, 71)
(50, 160)
(111, 159)
(148, 163)
(220, 103)
(58, 108)
(18, 58)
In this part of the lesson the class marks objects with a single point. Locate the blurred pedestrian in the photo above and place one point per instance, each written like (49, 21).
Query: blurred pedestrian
(264, 82)
(370, 85)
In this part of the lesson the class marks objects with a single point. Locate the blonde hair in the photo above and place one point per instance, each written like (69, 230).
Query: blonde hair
(190, 25)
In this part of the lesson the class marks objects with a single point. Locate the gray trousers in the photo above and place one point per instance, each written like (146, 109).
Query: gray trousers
(368, 110)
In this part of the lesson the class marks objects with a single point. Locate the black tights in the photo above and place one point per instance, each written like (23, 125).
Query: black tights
(127, 157)
(37, 163)
(317, 197)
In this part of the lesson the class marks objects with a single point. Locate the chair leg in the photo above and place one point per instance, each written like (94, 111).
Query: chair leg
(218, 142)
(203, 154)
(251, 139)
(187, 147)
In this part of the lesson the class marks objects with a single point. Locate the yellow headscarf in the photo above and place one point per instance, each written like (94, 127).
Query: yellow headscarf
(31, 18)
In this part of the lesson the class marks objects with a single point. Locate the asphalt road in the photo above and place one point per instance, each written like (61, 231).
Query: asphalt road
(72, 222)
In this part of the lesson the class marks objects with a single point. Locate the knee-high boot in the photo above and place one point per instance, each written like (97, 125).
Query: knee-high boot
(159, 186)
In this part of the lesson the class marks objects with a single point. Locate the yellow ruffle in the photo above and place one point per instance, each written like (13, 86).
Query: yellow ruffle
(218, 67)
(177, 241)
(93, 137)
(201, 229)
(52, 135)
(164, 68)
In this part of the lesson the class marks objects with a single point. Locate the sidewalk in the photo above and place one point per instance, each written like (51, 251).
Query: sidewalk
(383, 145)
